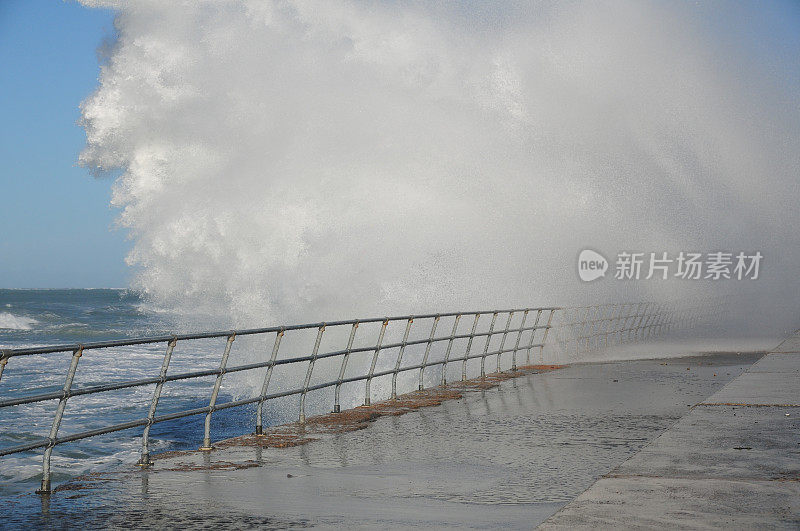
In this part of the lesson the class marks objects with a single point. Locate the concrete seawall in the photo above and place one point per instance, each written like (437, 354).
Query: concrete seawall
(545, 445)
(732, 462)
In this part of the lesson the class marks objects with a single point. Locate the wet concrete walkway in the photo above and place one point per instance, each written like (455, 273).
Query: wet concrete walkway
(732, 462)
(505, 457)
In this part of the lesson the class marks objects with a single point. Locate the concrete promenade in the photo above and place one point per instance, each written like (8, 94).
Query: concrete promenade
(732, 462)
(616, 444)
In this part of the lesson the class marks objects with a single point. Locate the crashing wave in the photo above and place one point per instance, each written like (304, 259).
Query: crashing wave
(9, 321)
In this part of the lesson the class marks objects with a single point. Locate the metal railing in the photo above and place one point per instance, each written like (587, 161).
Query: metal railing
(636, 321)
(587, 328)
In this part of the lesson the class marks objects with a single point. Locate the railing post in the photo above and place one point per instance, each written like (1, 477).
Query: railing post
(516, 344)
(601, 324)
(670, 319)
(651, 317)
(374, 361)
(594, 336)
(400, 357)
(596, 320)
(469, 347)
(594, 340)
(562, 337)
(654, 323)
(223, 364)
(62, 404)
(623, 323)
(614, 332)
(631, 326)
(544, 337)
(623, 326)
(308, 373)
(3, 361)
(503, 340)
(612, 310)
(263, 396)
(656, 318)
(449, 348)
(661, 322)
(674, 318)
(427, 352)
(611, 334)
(578, 328)
(630, 318)
(336, 406)
(651, 314)
(661, 318)
(639, 326)
(486, 346)
(581, 326)
(144, 460)
(533, 337)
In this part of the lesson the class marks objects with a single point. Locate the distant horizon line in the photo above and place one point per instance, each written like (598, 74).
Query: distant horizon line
(63, 289)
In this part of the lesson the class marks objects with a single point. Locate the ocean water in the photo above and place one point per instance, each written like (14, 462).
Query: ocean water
(33, 316)
(43, 317)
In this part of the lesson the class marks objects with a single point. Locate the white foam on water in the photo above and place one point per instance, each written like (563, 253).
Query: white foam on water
(9, 321)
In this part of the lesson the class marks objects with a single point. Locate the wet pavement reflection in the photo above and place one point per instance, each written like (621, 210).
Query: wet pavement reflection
(508, 456)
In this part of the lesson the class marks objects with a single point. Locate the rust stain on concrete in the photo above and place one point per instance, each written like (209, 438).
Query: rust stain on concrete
(217, 465)
(297, 433)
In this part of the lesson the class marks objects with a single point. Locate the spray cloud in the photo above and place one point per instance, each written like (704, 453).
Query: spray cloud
(294, 161)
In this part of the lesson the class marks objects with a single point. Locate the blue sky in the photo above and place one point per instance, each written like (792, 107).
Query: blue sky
(56, 225)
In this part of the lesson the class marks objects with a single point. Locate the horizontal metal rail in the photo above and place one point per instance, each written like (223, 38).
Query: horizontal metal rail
(227, 405)
(585, 326)
(12, 352)
(215, 372)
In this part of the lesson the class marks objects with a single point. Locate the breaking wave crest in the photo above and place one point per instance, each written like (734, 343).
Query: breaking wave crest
(9, 321)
